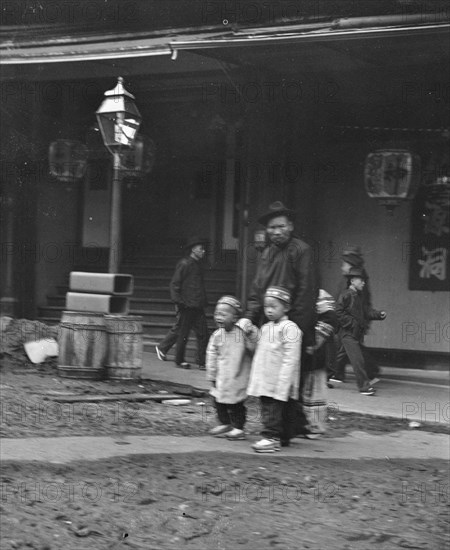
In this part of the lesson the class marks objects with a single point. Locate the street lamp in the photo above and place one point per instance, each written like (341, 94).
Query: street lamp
(119, 120)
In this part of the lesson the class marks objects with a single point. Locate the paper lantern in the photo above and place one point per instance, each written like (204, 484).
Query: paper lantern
(67, 160)
(391, 176)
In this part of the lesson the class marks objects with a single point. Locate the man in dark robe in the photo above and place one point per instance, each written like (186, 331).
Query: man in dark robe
(287, 262)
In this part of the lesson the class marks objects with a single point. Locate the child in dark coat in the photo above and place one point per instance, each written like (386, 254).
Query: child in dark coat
(353, 315)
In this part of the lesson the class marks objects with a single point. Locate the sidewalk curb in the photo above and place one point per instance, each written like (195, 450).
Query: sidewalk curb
(356, 446)
(342, 408)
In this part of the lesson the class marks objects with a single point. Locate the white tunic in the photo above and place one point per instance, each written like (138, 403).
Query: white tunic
(276, 365)
(228, 362)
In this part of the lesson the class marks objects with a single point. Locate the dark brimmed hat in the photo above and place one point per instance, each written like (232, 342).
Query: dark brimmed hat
(279, 293)
(356, 272)
(277, 208)
(194, 241)
(353, 255)
(231, 301)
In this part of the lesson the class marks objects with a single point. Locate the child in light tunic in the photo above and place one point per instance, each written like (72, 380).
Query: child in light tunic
(275, 372)
(228, 362)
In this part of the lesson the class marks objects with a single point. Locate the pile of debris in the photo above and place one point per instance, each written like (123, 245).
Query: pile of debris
(24, 342)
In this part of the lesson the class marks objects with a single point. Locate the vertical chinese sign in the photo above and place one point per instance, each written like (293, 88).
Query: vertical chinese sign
(429, 251)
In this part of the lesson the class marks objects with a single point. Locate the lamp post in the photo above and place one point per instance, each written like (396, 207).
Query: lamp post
(119, 120)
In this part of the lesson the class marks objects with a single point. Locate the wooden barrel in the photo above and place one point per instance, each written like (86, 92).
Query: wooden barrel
(82, 345)
(125, 347)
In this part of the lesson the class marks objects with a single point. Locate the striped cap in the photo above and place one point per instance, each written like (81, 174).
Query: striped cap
(279, 293)
(231, 301)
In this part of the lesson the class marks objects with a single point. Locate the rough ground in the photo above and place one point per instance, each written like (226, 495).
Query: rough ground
(226, 501)
(29, 409)
(204, 500)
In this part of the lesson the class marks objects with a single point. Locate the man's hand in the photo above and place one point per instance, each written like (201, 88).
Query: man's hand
(382, 315)
(319, 341)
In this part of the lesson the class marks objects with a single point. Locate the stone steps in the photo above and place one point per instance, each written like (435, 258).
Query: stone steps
(151, 298)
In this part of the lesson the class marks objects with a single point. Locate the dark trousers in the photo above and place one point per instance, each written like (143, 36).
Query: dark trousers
(307, 364)
(192, 318)
(234, 414)
(338, 358)
(172, 336)
(281, 419)
(353, 349)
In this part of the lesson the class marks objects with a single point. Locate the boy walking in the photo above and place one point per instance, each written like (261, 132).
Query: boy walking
(275, 373)
(353, 316)
(187, 291)
(352, 257)
(228, 368)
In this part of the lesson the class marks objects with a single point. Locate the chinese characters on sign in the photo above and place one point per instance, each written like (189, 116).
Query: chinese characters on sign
(434, 264)
(429, 267)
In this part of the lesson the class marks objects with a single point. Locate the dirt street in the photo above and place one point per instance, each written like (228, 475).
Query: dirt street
(216, 500)
(226, 501)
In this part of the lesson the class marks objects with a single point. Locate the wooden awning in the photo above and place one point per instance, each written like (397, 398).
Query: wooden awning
(109, 46)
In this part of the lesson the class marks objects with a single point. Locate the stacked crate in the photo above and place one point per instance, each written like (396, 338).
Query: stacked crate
(98, 338)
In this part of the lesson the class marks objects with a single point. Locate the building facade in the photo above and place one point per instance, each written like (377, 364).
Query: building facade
(243, 107)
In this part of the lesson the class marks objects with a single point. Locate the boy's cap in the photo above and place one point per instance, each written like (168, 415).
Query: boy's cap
(353, 255)
(356, 272)
(231, 301)
(279, 293)
(194, 241)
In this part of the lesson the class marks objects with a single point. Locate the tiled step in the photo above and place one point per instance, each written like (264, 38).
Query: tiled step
(167, 272)
(168, 263)
(153, 330)
(156, 292)
(160, 280)
(153, 316)
(159, 330)
(146, 304)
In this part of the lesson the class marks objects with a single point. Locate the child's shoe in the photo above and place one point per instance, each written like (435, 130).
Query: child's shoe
(336, 379)
(311, 435)
(266, 446)
(235, 434)
(220, 430)
(368, 391)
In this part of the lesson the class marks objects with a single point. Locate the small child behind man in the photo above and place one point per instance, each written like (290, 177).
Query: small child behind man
(353, 314)
(314, 392)
(228, 362)
(275, 374)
